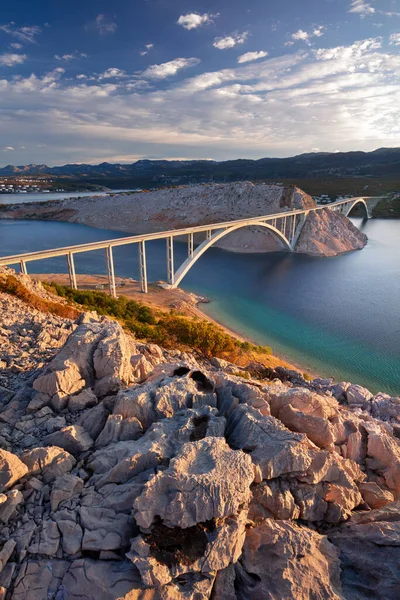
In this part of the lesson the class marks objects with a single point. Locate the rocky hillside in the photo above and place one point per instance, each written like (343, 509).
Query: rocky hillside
(327, 233)
(129, 472)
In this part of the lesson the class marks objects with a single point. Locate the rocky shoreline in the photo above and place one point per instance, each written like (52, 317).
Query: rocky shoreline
(325, 233)
(132, 472)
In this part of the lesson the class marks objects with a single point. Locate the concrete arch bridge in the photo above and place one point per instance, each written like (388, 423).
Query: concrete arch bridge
(286, 226)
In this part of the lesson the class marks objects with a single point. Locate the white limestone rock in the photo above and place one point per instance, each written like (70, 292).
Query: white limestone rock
(11, 469)
(205, 480)
(49, 462)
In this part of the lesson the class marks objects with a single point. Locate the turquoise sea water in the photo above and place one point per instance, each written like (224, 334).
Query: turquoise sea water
(336, 316)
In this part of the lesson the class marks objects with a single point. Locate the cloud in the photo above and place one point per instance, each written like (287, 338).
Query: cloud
(394, 39)
(104, 25)
(25, 34)
(250, 56)
(8, 149)
(16, 46)
(303, 36)
(113, 72)
(148, 47)
(194, 20)
(169, 68)
(10, 59)
(346, 98)
(230, 41)
(362, 8)
(68, 57)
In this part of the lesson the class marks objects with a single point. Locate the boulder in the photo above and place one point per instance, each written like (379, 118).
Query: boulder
(6, 552)
(85, 399)
(49, 462)
(73, 439)
(384, 457)
(11, 469)
(93, 420)
(300, 564)
(232, 391)
(118, 429)
(272, 447)
(357, 395)
(370, 558)
(111, 359)
(64, 488)
(375, 496)
(7, 509)
(71, 536)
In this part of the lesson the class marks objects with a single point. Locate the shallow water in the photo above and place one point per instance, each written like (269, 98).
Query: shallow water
(336, 316)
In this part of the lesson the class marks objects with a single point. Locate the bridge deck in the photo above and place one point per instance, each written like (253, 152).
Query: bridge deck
(51, 253)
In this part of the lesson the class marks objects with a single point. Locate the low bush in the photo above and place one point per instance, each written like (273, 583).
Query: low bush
(13, 286)
(169, 330)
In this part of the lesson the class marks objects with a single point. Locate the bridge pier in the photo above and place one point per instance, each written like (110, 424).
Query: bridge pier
(143, 266)
(170, 260)
(190, 245)
(71, 271)
(22, 267)
(110, 271)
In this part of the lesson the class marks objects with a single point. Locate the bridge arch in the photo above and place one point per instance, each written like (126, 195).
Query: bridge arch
(220, 233)
(356, 203)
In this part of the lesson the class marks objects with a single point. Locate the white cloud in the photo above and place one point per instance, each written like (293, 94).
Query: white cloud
(250, 56)
(68, 57)
(343, 98)
(8, 149)
(361, 7)
(16, 46)
(25, 34)
(304, 36)
(394, 39)
(104, 25)
(230, 40)
(194, 20)
(9, 59)
(148, 47)
(113, 72)
(169, 68)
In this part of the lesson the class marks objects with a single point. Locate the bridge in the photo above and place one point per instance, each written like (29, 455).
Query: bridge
(286, 226)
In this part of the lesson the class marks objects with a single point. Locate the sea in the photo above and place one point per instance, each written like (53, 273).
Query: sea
(336, 317)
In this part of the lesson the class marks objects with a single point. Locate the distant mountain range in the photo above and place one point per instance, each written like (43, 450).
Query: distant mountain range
(384, 162)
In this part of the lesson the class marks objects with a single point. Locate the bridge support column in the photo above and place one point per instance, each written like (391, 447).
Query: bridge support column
(110, 271)
(143, 266)
(299, 228)
(170, 260)
(190, 245)
(71, 271)
(208, 234)
(22, 268)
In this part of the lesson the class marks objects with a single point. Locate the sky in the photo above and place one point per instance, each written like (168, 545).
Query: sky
(94, 80)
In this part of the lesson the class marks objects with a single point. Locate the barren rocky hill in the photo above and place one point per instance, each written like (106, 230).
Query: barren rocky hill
(325, 232)
(129, 472)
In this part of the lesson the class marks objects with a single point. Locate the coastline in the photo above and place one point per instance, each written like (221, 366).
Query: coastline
(163, 299)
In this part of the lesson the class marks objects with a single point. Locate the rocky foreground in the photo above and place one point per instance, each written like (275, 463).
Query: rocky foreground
(130, 472)
(325, 233)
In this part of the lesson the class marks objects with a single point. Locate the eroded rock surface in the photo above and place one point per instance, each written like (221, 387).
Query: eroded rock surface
(127, 472)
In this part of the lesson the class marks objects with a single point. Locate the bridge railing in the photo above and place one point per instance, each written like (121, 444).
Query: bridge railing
(108, 245)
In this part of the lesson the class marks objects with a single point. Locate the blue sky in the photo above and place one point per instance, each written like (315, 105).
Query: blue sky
(92, 81)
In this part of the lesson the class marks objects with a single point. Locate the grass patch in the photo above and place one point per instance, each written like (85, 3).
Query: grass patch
(170, 330)
(13, 286)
